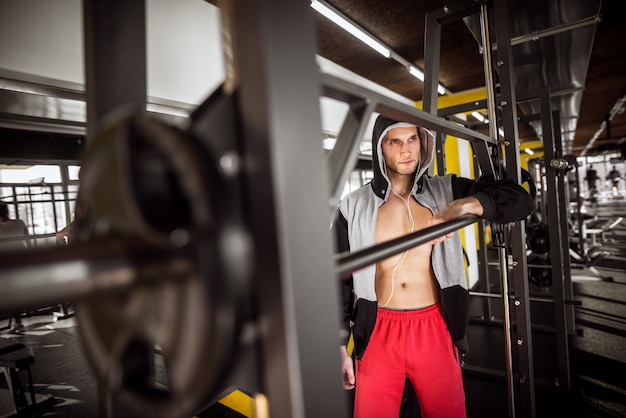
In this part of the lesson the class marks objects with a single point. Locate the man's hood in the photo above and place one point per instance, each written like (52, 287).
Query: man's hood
(380, 183)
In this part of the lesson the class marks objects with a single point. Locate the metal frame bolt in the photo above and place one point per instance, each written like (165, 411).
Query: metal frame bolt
(229, 164)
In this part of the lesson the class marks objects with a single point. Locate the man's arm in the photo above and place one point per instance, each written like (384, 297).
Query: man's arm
(347, 369)
(502, 201)
(455, 209)
(340, 227)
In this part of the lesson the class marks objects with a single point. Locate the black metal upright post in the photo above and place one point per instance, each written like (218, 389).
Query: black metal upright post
(115, 77)
(518, 272)
(499, 237)
(115, 57)
(554, 196)
(555, 209)
(298, 303)
(513, 265)
(568, 289)
(432, 57)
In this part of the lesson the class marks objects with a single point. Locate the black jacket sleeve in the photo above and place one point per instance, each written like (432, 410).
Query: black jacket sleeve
(340, 227)
(503, 201)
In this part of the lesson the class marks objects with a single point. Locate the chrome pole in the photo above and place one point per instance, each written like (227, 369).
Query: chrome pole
(347, 263)
(502, 254)
(48, 276)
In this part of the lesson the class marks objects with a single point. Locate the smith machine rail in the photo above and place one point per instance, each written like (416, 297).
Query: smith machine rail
(204, 242)
(510, 239)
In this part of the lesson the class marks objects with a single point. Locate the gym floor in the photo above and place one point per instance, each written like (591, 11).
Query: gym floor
(597, 354)
(60, 369)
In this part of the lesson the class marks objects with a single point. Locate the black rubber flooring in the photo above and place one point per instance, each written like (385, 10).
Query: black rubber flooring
(597, 354)
(60, 369)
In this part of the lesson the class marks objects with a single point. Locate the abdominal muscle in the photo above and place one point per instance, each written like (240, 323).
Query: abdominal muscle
(414, 284)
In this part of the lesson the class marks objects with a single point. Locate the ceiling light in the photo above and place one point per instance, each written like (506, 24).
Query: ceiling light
(479, 116)
(340, 20)
(417, 73)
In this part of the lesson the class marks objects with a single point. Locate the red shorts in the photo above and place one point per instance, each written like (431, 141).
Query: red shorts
(416, 344)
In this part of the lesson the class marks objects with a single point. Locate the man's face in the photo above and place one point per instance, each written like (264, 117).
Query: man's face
(401, 150)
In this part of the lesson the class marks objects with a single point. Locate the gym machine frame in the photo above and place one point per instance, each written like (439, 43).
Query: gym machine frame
(298, 359)
(512, 266)
(553, 202)
(556, 210)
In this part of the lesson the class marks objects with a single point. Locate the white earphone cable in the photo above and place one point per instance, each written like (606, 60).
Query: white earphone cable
(411, 227)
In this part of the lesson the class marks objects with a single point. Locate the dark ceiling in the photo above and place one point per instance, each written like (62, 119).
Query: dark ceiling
(585, 68)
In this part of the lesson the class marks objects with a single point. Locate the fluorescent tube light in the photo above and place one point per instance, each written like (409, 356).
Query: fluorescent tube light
(351, 28)
(416, 72)
(339, 19)
(483, 119)
(478, 116)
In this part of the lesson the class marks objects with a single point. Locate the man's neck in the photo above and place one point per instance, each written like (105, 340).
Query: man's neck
(401, 184)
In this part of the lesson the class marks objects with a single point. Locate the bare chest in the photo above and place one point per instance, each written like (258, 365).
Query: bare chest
(394, 219)
(404, 280)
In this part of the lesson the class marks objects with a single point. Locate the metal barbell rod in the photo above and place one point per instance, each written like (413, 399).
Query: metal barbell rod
(70, 273)
(532, 299)
(347, 263)
(48, 276)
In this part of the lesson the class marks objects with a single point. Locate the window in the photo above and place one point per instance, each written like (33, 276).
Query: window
(38, 196)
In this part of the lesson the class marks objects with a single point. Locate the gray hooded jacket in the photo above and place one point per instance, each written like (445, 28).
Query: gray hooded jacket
(503, 201)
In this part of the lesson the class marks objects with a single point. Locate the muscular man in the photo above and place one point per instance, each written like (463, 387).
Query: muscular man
(408, 313)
